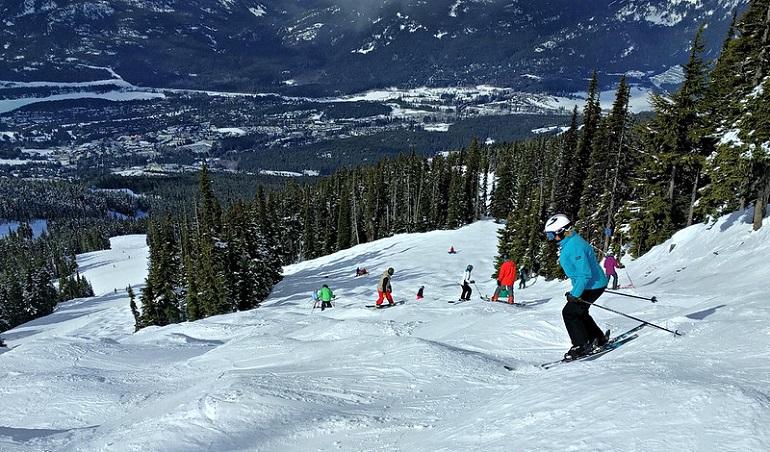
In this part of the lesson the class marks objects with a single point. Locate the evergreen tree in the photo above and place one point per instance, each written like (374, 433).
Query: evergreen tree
(344, 218)
(209, 276)
(210, 211)
(267, 249)
(566, 187)
(212, 294)
(412, 176)
(504, 194)
(524, 223)
(605, 189)
(285, 217)
(722, 87)
(39, 293)
(160, 300)
(5, 318)
(754, 133)
(376, 200)
(134, 309)
(471, 183)
(17, 311)
(358, 232)
(310, 228)
(738, 170)
(675, 144)
(328, 206)
(505, 243)
(591, 120)
(486, 189)
(235, 259)
(441, 179)
(192, 309)
(26, 282)
(426, 197)
(457, 201)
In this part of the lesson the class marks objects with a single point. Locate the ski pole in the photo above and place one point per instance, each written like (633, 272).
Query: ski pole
(478, 291)
(629, 277)
(676, 333)
(652, 299)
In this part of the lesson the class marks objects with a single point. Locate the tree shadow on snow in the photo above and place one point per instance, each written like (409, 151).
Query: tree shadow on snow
(700, 315)
(24, 435)
(745, 216)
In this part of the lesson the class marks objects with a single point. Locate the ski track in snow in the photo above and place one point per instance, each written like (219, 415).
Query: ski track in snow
(424, 376)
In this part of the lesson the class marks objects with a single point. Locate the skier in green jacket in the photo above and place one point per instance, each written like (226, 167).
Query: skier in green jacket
(326, 295)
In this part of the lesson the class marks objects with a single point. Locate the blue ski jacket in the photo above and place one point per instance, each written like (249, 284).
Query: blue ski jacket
(578, 261)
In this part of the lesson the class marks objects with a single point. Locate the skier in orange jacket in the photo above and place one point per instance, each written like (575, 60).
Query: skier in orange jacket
(506, 276)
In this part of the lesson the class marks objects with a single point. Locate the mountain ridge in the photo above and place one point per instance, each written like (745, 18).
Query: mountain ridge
(331, 47)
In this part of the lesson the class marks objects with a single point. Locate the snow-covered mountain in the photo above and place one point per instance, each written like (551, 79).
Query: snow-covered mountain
(424, 376)
(342, 46)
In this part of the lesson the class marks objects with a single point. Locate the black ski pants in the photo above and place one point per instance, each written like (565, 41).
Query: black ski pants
(466, 295)
(580, 325)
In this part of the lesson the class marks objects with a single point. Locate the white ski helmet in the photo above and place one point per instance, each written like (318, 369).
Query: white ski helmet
(556, 225)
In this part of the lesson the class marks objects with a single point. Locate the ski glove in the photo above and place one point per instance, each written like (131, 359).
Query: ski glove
(473, 282)
(572, 298)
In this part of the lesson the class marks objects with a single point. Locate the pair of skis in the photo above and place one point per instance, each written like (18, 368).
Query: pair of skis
(385, 305)
(457, 301)
(611, 345)
(515, 303)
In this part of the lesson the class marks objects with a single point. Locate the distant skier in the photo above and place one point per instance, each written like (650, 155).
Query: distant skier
(506, 276)
(420, 292)
(610, 264)
(384, 289)
(467, 281)
(578, 261)
(522, 278)
(358, 271)
(452, 250)
(315, 298)
(326, 295)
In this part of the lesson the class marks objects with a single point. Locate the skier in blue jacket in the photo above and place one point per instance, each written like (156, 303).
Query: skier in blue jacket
(579, 263)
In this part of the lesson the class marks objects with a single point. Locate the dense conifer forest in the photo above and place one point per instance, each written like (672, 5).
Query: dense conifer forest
(36, 273)
(627, 182)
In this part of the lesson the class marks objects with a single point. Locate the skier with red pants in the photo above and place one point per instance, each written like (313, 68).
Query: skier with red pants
(384, 289)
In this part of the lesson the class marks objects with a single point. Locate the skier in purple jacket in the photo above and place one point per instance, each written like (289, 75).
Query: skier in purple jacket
(610, 264)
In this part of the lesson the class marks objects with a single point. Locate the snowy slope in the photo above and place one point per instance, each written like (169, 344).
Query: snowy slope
(425, 376)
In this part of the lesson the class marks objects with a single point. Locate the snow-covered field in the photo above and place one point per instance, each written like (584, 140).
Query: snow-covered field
(424, 376)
